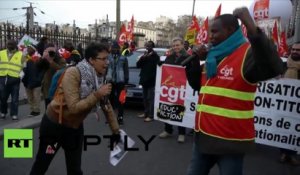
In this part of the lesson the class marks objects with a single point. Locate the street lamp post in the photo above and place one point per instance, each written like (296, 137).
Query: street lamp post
(118, 18)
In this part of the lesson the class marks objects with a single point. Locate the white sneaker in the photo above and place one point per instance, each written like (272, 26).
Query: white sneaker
(181, 139)
(141, 115)
(164, 134)
(14, 117)
(2, 116)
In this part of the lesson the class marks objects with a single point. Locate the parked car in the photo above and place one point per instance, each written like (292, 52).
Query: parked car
(134, 89)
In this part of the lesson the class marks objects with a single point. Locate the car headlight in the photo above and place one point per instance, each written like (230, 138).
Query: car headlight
(140, 86)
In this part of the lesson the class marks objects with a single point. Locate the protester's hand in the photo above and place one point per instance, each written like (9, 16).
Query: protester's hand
(160, 63)
(244, 15)
(115, 138)
(201, 51)
(104, 90)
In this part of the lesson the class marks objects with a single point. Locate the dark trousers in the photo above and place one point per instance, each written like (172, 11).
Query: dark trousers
(148, 100)
(9, 86)
(169, 129)
(52, 137)
(114, 97)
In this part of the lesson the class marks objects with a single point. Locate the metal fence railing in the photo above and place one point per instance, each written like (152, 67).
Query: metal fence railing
(8, 31)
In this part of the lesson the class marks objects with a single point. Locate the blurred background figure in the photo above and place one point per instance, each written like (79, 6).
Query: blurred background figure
(70, 54)
(177, 55)
(188, 48)
(125, 49)
(293, 72)
(50, 63)
(80, 50)
(11, 65)
(41, 46)
(118, 75)
(32, 80)
(148, 63)
(132, 46)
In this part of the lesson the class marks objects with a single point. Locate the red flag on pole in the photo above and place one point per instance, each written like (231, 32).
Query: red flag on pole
(194, 24)
(192, 31)
(202, 37)
(218, 12)
(123, 35)
(261, 9)
(275, 34)
(130, 29)
(283, 48)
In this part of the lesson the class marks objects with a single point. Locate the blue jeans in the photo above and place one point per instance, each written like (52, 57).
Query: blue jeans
(229, 164)
(9, 86)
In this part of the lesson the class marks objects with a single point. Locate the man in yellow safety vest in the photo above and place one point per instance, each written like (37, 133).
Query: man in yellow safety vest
(11, 64)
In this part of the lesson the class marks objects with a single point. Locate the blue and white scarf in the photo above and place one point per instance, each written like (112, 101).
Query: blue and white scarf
(219, 52)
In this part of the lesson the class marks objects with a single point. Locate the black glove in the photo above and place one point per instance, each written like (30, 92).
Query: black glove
(160, 63)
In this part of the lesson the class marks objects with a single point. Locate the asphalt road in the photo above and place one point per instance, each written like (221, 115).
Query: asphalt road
(164, 157)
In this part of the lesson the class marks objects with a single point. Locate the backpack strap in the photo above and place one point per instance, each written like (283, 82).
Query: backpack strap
(60, 97)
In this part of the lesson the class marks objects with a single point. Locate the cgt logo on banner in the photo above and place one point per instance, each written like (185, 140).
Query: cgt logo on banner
(172, 96)
(18, 143)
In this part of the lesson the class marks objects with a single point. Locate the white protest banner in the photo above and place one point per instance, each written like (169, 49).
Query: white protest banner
(277, 113)
(175, 101)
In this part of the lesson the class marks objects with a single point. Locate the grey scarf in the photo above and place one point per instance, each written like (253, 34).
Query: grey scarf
(90, 82)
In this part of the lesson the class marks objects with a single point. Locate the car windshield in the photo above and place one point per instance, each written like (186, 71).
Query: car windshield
(132, 59)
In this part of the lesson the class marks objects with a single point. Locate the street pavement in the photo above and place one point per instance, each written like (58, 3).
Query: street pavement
(164, 157)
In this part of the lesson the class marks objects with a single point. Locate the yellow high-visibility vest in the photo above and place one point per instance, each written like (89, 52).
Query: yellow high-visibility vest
(11, 67)
(124, 52)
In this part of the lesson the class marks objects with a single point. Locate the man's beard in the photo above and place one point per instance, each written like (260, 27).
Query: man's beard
(295, 57)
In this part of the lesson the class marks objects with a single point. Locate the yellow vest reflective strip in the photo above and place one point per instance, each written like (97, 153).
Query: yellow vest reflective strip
(11, 70)
(229, 113)
(124, 51)
(11, 64)
(247, 96)
(12, 67)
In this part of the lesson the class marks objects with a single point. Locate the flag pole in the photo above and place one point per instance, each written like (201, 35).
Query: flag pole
(193, 8)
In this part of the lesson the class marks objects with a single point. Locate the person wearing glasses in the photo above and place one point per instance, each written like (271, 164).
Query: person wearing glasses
(82, 90)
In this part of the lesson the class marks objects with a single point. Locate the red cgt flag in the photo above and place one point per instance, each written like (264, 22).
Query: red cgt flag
(283, 48)
(123, 35)
(130, 29)
(194, 25)
(275, 34)
(218, 12)
(192, 31)
(261, 9)
(202, 37)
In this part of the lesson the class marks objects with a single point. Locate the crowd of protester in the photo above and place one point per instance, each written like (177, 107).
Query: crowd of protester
(101, 71)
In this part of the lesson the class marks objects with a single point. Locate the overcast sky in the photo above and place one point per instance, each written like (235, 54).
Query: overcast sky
(85, 12)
